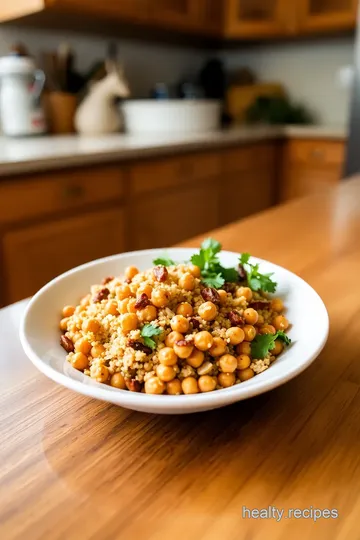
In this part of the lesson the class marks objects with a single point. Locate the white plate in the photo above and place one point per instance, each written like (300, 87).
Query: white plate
(39, 334)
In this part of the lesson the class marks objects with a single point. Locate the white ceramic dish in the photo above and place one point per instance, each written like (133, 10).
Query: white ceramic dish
(39, 334)
(171, 115)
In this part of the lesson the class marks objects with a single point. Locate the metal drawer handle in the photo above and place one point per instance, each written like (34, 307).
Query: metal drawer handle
(318, 153)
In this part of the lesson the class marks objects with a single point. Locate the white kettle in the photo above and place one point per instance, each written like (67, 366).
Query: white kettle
(21, 85)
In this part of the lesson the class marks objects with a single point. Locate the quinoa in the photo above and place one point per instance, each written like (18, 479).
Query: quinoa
(197, 345)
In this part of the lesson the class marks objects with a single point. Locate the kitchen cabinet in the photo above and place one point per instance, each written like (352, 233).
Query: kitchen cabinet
(182, 14)
(327, 15)
(310, 166)
(122, 10)
(35, 254)
(257, 18)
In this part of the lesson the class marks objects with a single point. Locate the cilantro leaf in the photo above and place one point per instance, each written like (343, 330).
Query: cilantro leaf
(213, 280)
(147, 332)
(256, 280)
(231, 275)
(163, 261)
(198, 260)
(264, 343)
(211, 245)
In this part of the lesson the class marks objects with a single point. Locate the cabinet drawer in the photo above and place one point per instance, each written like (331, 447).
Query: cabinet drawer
(242, 158)
(172, 172)
(317, 152)
(25, 198)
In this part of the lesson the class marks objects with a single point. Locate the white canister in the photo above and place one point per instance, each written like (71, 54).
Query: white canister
(21, 85)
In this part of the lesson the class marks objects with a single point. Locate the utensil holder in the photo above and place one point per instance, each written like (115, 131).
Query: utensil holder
(61, 108)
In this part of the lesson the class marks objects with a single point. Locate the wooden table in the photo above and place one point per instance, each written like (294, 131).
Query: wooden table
(72, 468)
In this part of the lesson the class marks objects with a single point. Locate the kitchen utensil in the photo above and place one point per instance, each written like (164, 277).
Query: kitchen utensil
(21, 85)
(39, 334)
(171, 116)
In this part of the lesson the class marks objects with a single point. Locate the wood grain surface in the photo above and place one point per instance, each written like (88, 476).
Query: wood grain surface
(73, 468)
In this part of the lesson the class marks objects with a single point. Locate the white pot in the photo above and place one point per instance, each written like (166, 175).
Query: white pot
(171, 116)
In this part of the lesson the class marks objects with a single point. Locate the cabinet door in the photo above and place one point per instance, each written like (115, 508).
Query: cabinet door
(212, 17)
(318, 15)
(121, 9)
(183, 14)
(164, 219)
(258, 18)
(34, 255)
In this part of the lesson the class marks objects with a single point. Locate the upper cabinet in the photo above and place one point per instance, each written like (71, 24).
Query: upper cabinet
(258, 18)
(327, 15)
(230, 19)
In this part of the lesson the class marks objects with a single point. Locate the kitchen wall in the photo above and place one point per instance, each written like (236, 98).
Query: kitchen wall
(145, 63)
(308, 69)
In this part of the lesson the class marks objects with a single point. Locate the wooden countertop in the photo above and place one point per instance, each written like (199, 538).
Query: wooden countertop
(73, 468)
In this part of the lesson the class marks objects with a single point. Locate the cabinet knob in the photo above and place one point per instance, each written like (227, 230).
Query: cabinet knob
(318, 153)
(74, 191)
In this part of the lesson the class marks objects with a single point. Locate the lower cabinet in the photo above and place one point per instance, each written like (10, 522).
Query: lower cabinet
(33, 255)
(162, 219)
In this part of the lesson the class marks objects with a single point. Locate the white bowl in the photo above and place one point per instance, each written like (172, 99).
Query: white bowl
(39, 334)
(171, 116)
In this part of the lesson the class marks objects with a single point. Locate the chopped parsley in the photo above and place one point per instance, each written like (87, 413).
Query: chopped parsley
(213, 274)
(163, 261)
(147, 332)
(257, 281)
(264, 343)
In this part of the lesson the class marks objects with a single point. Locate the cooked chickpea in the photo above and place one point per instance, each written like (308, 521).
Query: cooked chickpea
(173, 388)
(218, 347)
(172, 338)
(190, 386)
(267, 329)
(278, 349)
(184, 309)
(251, 316)
(79, 361)
(243, 361)
(245, 374)
(208, 311)
(111, 308)
(129, 322)
(205, 369)
(145, 289)
(131, 305)
(91, 325)
(223, 296)
(167, 356)
(244, 348)
(183, 351)
(85, 301)
(281, 323)
(64, 323)
(236, 335)
(203, 340)
(118, 381)
(195, 359)
(226, 379)
(194, 270)
(250, 332)
(165, 373)
(83, 345)
(122, 292)
(68, 311)
(187, 281)
(154, 386)
(277, 305)
(179, 324)
(123, 306)
(131, 272)
(260, 320)
(228, 363)
(159, 298)
(207, 383)
(97, 350)
(246, 292)
(100, 373)
(148, 314)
